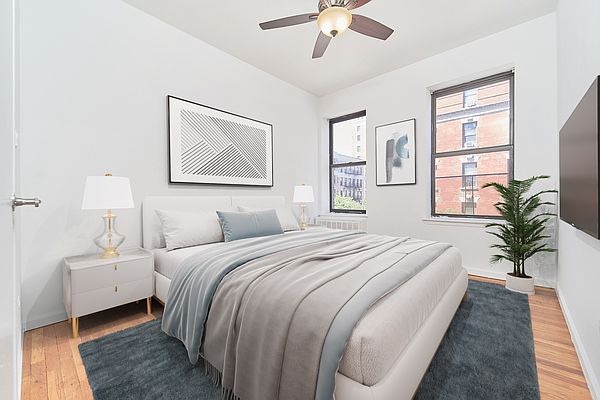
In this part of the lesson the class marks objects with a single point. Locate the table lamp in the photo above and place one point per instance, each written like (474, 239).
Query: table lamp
(303, 194)
(107, 193)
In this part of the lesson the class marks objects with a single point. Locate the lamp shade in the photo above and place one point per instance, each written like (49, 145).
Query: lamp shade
(303, 194)
(106, 192)
(334, 21)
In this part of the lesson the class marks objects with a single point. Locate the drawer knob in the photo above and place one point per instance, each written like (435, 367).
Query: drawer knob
(115, 288)
(115, 267)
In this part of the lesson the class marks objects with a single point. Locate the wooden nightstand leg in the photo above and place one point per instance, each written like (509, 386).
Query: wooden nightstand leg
(149, 305)
(465, 297)
(75, 325)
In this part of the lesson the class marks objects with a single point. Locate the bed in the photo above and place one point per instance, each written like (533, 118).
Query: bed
(392, 345)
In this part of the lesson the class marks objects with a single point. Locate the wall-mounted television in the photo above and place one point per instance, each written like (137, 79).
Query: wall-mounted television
(579, 167)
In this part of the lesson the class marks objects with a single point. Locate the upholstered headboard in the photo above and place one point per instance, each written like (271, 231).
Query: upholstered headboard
(152, 229)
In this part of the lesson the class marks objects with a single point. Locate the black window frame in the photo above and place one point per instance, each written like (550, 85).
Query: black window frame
(504, 76)
(332, 166)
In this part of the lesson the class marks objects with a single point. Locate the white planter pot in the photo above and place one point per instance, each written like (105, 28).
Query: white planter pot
(520, 285)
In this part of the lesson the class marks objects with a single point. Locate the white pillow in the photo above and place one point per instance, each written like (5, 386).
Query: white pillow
(185, 229)
(286, 217)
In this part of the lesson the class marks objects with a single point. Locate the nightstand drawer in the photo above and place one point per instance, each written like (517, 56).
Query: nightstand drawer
(108, 297)
(109, 275)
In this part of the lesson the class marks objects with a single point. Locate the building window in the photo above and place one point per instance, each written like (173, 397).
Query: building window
(468, 207)
(469, 134)
(470, 98)
(472, 144)
(347, 164)
(469, 175)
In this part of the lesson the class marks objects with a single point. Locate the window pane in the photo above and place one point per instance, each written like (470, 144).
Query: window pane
(348, 188)
(347, 144)
(458, 182)
(453, 197)
(469, 98)
(473, 164)
(478, 117)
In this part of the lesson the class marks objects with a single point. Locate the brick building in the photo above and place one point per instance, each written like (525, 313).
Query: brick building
(469, 121)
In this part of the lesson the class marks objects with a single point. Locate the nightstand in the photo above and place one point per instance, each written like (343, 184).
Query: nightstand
(92, 284)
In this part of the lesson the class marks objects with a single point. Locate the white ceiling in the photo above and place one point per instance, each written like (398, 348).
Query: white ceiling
(422, 28)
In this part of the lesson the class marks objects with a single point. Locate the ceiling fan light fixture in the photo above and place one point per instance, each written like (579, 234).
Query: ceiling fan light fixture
(334, 21)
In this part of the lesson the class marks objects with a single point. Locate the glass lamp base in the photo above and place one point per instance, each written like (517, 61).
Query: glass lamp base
(303, 218)
(110, 239)
(109, 253)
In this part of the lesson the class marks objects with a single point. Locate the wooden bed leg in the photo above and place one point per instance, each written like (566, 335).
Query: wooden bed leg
(465, 297)
(149, 305)
(75, 324)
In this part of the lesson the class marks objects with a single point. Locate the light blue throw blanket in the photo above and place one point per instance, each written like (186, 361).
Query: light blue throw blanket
(282, 308)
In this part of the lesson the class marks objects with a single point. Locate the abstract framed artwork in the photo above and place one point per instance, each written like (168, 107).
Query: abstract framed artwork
(395, 154)
(211, 146)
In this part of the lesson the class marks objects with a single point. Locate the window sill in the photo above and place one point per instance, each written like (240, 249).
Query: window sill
(472, 222)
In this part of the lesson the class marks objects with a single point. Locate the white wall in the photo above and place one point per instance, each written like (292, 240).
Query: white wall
(404, 93)
(94, 81)
(579, 254)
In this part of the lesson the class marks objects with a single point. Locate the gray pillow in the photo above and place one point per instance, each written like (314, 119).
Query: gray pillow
(242, 225)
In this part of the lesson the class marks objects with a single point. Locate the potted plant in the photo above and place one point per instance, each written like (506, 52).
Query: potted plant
(522, 231)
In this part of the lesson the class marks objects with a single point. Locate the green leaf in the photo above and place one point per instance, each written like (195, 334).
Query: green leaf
(523, 233)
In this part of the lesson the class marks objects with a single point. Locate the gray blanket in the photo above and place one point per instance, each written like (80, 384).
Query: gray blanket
(196, 279)
(279, 323)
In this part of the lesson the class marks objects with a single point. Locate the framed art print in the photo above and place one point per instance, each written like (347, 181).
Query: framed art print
(395, 150)
(211, 146)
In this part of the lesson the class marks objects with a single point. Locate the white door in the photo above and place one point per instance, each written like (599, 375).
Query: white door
(10, 274)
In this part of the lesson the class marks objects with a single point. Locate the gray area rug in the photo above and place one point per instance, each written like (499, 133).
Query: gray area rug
(487, 353)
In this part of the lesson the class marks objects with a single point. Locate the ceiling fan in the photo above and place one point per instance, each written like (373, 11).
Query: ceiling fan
(334, 18)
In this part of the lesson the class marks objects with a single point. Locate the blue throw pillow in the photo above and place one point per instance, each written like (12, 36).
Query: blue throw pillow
(243, 225)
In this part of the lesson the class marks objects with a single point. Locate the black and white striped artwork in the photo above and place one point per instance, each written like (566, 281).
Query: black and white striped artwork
(207, 145)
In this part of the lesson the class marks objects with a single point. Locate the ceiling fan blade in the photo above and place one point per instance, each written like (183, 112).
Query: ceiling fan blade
(321, 45)
(289, 21)
(354, 4)
(370, 27)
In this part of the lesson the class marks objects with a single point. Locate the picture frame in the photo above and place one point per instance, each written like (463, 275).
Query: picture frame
(216, 147)
(395, 153)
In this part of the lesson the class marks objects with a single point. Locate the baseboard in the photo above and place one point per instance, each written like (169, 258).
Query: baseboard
(502, 276)
(584, 360)
(44, 320)
(486, 273)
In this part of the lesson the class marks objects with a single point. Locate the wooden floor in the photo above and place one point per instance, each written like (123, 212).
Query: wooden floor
(52, 366)
(559, 373)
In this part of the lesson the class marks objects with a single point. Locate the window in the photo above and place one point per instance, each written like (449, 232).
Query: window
(469, 132)
(472, 144)
(469, 174)
(469, 98)
(347, 164)
(468, 207)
